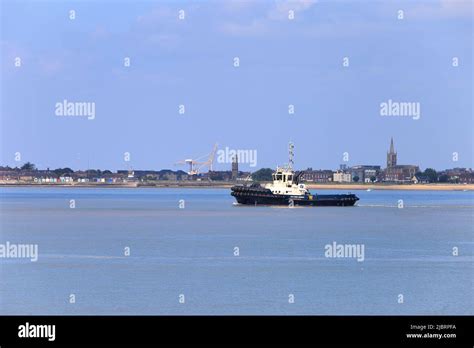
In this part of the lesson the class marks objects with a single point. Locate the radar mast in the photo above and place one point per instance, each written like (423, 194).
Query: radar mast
(291, 147)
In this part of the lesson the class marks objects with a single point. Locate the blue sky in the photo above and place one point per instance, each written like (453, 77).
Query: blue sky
(190, 62)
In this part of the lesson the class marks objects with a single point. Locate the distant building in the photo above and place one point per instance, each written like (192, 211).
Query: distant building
(215, 175)
(26, 178)
(65, 179)
(365, 173)
(340, 176)
(245, 176)
(458, 175)
(82, 180)
(151, 175)
(320, 176)
(467, 178)
(235, 168)
(370, 175)
(396, 172)
(401, 173)
(114, 177)
(420, 179)
(391, 156)
(136, 174)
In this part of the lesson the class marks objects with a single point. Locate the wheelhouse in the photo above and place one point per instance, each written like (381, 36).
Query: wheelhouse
(283, 177)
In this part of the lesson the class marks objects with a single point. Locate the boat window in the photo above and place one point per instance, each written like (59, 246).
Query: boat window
(284, 178)
(279, 177)
(290, 177)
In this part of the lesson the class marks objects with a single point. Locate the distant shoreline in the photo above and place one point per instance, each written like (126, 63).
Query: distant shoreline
(407, 187)
(210, 185)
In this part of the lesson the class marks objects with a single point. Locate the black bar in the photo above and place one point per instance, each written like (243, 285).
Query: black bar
(223, 330)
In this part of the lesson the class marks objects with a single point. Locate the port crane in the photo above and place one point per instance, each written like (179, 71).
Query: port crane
(195, 165)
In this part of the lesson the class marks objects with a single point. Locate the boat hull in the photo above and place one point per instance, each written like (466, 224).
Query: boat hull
(262, 196)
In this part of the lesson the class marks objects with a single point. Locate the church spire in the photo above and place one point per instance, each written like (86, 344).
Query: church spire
(391, 155)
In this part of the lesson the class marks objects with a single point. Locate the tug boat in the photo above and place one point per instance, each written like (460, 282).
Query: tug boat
(286, 189)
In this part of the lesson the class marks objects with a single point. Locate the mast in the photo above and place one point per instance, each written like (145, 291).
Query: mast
(291, 147)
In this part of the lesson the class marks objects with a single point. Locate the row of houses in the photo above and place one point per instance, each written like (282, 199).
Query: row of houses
(457, 175)
(394, 174)
(362, 173)
(359, 173)
(121, 176)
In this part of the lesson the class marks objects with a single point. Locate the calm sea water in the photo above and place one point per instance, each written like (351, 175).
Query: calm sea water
(190, 251)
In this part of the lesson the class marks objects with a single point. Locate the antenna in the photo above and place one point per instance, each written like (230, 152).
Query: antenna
(291, 147)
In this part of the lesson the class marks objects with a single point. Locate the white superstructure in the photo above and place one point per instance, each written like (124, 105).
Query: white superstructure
(285, 181)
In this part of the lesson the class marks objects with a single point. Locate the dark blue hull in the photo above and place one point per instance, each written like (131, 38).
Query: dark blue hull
(262, 196)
